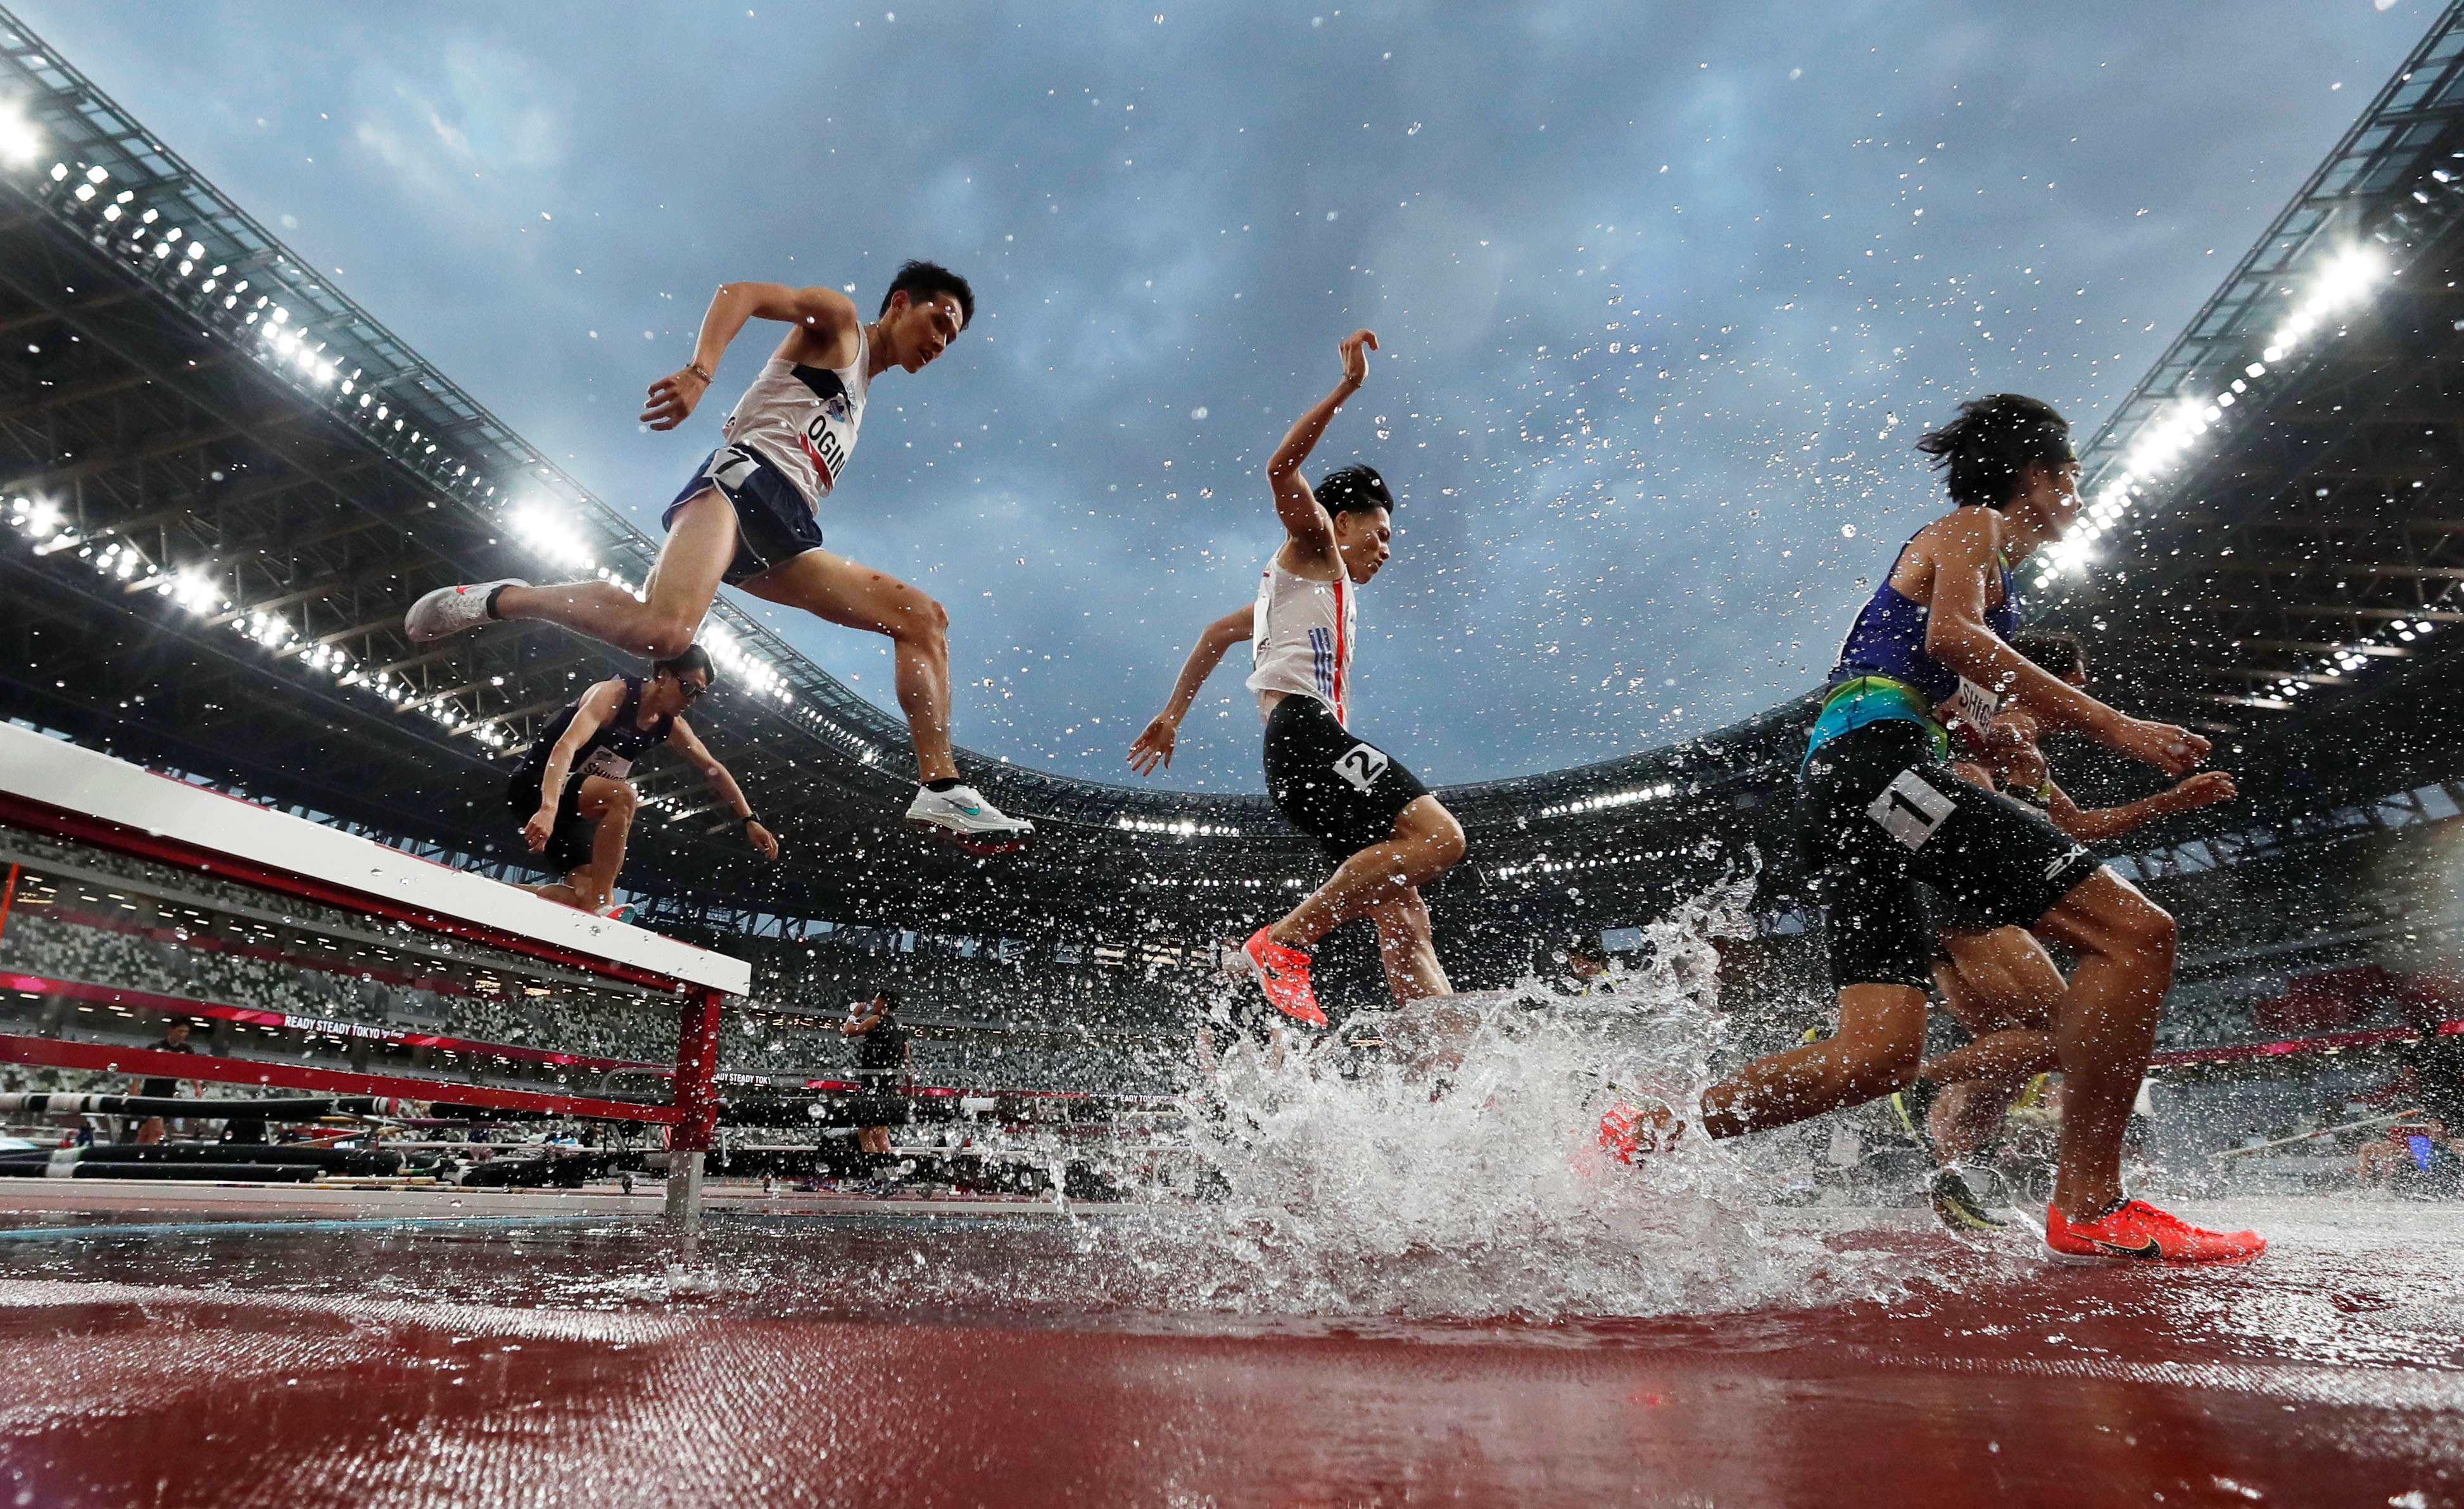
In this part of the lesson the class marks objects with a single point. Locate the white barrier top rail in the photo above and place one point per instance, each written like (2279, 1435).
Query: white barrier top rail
(81, 780)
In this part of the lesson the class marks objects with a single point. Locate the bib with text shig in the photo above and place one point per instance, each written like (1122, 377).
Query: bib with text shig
(1973, 710)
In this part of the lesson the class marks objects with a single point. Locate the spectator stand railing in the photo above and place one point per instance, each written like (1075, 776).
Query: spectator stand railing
(222, 910)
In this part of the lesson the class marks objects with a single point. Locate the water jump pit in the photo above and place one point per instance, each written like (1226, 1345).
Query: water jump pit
(934, 1357)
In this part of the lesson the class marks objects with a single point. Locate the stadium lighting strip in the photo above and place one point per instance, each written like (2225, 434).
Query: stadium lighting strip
(179, 261)
(1545, 865)
(1183, 828)
(2169, 440)
(1614, 798)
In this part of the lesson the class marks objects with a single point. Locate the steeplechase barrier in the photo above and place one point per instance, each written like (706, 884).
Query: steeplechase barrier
(308, 959)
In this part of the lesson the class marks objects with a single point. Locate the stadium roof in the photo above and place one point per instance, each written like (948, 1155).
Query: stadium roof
(2276, 543)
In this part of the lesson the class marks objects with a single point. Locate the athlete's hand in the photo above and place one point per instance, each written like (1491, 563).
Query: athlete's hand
(2203, 790)
(2174, 751)
(762, 838)
(535, 832)
(1356, 361)
(673, 399)
(1153, 746)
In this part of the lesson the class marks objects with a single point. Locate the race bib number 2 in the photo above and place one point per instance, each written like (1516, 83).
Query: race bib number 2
(1361, 765)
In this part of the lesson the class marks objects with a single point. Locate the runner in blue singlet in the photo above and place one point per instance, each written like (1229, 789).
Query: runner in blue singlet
(1883, 813)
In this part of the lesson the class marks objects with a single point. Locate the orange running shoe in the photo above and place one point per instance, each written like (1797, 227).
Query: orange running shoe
(1627, 1128)
(2137, 1232)
(1283, 975)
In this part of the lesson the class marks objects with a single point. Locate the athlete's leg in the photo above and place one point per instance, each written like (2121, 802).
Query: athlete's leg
(2107, 1029)
(1880, 1037)
(2003, 988)
(836, 589)
(700, 544)
(1408, 948)
(1427, 843)
(614, 803)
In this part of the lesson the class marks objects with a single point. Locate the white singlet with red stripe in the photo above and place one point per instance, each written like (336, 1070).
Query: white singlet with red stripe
(803, 420)
(1300, 637)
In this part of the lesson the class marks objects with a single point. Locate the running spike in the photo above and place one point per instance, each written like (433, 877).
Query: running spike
(1957, 1204)
(2137, 1232)
(450, 610)
(1283, 975)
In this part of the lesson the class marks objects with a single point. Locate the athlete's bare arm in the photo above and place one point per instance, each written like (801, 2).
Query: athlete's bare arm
(599, 704)
(723, 784)
(825, 322)
(1960, 550)
(1309, 549)
(1153, 746)
(2090, 827)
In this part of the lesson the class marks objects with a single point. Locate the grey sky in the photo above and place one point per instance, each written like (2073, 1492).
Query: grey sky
(1665, 292)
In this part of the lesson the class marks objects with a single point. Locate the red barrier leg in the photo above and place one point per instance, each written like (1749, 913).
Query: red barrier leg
(696, 1101)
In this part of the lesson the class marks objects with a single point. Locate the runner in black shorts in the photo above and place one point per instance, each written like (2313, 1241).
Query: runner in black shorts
(1884, 811)
(573, 796)
(1387, 836)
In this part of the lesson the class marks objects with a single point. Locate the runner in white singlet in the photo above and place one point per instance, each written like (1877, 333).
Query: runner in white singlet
(1387, 836)
(750, 515)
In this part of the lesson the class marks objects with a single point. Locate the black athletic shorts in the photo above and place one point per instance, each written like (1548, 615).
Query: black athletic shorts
(775, 524)
(1883, 816)
(1339, 790)
(569, 842)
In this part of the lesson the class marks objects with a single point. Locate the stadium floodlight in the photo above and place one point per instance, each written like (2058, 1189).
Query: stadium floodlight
(543, 527)
(21, 143)
(39, 517)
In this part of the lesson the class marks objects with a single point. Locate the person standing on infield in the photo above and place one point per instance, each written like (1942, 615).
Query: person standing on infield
(1387, 836)
(750, 515)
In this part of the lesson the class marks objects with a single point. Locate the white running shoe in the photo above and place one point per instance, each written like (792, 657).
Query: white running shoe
(450, 610)
(961, 813)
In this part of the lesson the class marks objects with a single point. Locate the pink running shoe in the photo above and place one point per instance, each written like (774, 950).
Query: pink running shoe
(2137, 1232)
(1283, 975)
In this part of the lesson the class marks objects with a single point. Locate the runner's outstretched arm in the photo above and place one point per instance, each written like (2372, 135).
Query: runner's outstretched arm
(1957, 636)
(722, 782)
(2201, 790)
(1305, 519)
(1153, 746)
(597, 706)
(825, 316)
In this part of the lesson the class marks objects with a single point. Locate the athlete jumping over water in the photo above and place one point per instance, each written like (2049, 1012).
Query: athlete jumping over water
(750, 515)
(1884, 811)
(1387, 836)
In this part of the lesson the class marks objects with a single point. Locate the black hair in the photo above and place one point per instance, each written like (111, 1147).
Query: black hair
(693, 658)
(888, 999)
(923, 280)
(2058, 653)
(1995, 439)
(1353, 489)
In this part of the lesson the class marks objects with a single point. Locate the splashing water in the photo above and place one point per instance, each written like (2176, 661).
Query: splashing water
(1455, 1169)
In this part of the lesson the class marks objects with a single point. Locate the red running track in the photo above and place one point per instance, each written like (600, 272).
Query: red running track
(864, 1363)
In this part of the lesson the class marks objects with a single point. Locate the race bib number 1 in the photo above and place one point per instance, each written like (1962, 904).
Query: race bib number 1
(1909, 809)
